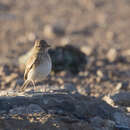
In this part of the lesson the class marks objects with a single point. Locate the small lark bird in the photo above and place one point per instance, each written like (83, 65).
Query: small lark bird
(38, 65)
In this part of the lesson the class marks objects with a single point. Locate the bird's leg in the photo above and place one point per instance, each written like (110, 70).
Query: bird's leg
(24, 85)
(33, 82)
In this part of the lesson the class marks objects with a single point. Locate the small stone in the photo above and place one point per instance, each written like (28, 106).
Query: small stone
(128, 109)
(126, 52)
(31, 36)
(87, 50)
(48, 31)
(11, 77)
(82, 90)
(64, 41)
(98, 79)
(13, 84)
(100, 73)
(62, 73)
(109, 35)
(58, 29)
(4, 70)
(74, 80)
(112, 55)
(21, 39)
(69, 86)
(125, 85)
(60, 80)
(101, 19)
(108, 100)
(99, 63)
(81, 73)
(4, 7)
(118, 86)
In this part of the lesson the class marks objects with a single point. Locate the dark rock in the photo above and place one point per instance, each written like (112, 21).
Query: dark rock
(68, 58)
(121, 98)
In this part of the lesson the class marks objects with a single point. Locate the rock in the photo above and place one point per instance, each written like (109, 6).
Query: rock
(119, 127)
(11, 77)
(64, 41)
(121, 98)
(108, 100)
(112, 55)
(18, 110)
(43, 122)
(83, 90)
(128, 109)
(58, 29)
(126, 52)
(55, 111)
(51, 31)
(110, 35)
(31, 36)
(97, 121)
(118, 87)
(4, 7)
(13, 84)
(60, 80)
(100, 73)
(101, 124)
(110, 125)
(31, 109)
(101, 19)
(5, 70)
(67, 58)
(21, 39)
(121, 119)
(70, 87)
(87, 50)
(48, 31)
(125, 85)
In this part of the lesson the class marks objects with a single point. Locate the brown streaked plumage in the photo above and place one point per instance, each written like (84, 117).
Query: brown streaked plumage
(38, 65)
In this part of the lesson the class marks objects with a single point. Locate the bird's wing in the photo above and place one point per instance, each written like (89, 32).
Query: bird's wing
(29, 65)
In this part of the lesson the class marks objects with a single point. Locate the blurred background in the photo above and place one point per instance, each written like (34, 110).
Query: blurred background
(90, 39)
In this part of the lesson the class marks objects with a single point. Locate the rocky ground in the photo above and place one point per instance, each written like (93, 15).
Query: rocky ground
(89, 86)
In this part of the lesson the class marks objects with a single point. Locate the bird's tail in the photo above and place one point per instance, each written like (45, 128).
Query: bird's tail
(24, 85)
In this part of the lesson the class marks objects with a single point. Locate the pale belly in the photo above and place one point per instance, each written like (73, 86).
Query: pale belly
(40, 71)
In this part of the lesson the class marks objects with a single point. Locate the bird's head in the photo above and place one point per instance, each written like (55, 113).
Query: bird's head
(41, 45)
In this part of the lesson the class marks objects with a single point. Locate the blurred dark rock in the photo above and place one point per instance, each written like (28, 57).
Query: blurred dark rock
(31, 109)
(51, 31)
(121, 98)
(68, 58)
(121, 119)
(102, 124)
(5, 70)
(4, 7)
(58, 30)
(87, 31)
